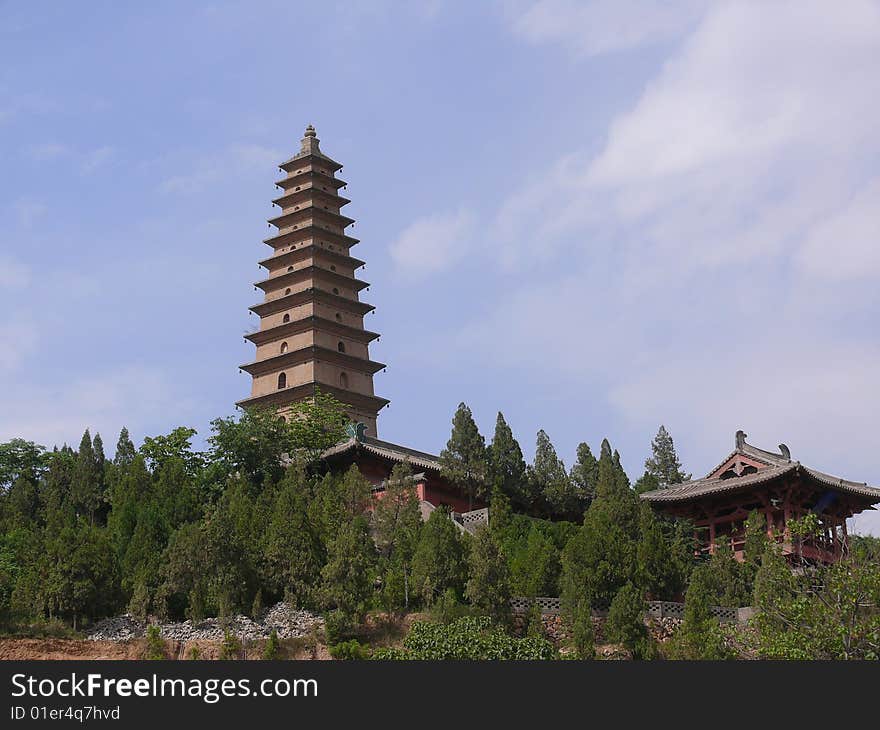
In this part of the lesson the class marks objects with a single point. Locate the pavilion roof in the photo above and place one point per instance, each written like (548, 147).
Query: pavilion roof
(775, 465)
(386, 450)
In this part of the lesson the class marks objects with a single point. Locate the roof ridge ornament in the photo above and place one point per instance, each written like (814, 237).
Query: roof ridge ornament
(357, 431)
(741, 440)
(785, 451)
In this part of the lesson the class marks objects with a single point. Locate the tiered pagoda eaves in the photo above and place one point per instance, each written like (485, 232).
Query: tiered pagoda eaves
(311, 335)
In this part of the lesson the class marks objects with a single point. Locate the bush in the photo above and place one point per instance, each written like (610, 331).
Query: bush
(350, 650)
(583, 637)
(272, 648)
(338, 626)
(472, 637)
(626, 623)
(194, 654)
(448, 608)
(155, 648)
(231, 646)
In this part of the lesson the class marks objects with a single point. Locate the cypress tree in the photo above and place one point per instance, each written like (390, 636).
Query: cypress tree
(87, 488)
(464, 459)
(663, 464)
(507, 467)
(488, 586)
(549, 477)
(585, 474)
(125, 451)
(439, 558)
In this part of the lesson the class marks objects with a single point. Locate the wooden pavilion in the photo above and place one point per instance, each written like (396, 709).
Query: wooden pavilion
(781, 488)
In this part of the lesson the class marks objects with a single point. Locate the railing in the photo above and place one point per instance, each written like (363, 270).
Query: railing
(656, 609)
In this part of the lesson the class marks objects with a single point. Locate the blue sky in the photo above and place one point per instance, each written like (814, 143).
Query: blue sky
(594, 216)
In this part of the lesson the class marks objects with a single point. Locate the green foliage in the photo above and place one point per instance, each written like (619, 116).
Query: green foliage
(155, 648)
(272, 649)
(535, 622)
(819, 612)
(20, 459)
(338, 626)
(663, 464)
(729, 579)
(583, 639)
(230, 648)
(664, 555)
(350, 569)
(438, 563)
(584, 475)
(351, 650)
(464, 459)
(626, 623)
(549, 481)
(699, 636)
(177, 445)
(507, 467)
(535, 569)
(472, 637)
(488, 585)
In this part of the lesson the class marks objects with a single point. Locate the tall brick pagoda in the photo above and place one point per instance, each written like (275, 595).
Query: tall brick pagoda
(311, 334)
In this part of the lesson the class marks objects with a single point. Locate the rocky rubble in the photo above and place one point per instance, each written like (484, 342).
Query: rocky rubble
(287, 621)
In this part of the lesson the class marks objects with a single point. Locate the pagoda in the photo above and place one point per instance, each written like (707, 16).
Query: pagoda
(311, 336)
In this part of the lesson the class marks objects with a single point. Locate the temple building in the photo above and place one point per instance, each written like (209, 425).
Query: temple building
(311, 334)
(773, 483)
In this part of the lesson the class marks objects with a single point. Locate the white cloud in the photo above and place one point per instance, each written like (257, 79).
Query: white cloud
(847, 244)
(714, 266)
(433, 244)
(245, 159)
(593, 27)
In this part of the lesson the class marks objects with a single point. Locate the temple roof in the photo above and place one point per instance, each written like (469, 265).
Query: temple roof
(385, 450)
(771, 466)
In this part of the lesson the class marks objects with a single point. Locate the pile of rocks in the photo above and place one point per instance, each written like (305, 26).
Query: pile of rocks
(662, 629)
(287, 621)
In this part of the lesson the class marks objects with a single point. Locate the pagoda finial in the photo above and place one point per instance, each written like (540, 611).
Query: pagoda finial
(310, 141)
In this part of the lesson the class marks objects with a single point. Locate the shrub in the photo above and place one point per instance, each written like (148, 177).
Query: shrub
(626, 623)
(338, 626)
(194, 653)
(155, 648)
(471, 637)
(583, 638)
(231, 646)
(350, 650)
(272, 648)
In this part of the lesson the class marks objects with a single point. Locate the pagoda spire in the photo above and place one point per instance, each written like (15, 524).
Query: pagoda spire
(311, 335)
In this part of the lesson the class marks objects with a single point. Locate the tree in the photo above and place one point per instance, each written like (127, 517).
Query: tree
(664, 555)
(293, 553)
(272, 649)
(584, 475)
(488, 585)
(818, 611)
(439, 558)
(699, 636)
(663, 464)
(348, 574)
(549, 478)
(535, 570)
(397, 521)
(157, 450)
(582, 633)
(507, 467)
(125, 451)
(87, 486)
(463, 461)
(20, 458)
(626, 624)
